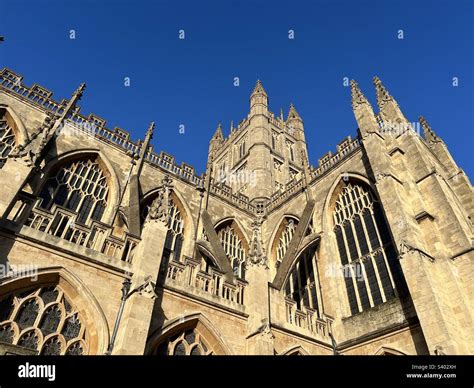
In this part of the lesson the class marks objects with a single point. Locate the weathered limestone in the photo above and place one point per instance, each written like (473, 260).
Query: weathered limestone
(139, 306)
(216, 266)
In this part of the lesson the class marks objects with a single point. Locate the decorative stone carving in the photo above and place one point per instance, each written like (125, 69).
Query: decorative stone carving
(29, 151)
(265, 331)
(147, 288)
(159, 208)
(257, 254)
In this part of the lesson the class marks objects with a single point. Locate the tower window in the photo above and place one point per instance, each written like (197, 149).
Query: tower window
(242, 149)
(274, 140)
(291, 151)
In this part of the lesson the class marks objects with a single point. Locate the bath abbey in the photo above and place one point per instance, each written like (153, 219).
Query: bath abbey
(110, 248)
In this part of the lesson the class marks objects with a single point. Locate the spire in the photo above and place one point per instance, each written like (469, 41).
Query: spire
(79, 92)
(50, 130)
(258, 100)
(382, 94)
(293, 114)
(363, 112)
(281, 115)
(258, 89)
(149, 131)
(76, 96)
(218, 135)
(358, 97)
(390, 112)
(232, 126)
(429, 134)
(144, 147)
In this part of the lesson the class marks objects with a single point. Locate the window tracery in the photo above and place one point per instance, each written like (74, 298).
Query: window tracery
(43, 320)
(365, 248)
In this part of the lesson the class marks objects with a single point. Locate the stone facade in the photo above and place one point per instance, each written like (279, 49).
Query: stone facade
(370, 252)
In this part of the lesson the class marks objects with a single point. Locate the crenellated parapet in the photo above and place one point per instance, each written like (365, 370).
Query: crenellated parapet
(344, 149)
(95, 126)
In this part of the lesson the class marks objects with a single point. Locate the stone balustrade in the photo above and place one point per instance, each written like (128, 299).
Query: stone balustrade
(306, 319)
(187, 274)
(240, 200)
(60, 222)
(92, 125)
(345, 148)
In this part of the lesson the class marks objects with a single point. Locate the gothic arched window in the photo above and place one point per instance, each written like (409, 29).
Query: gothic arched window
(81, 187)
(242, 149)
(365, 247)
(7, 138)
(174, 236)
(234, 248)
(175, 230)
(185, 343)
(43, 320)
(303, 282)
(289, 227)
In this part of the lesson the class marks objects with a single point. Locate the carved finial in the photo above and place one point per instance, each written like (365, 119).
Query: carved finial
(382, 94)
(79, 92)
(281, 115)
(428, 133)
(258, 89)
(232, 126)
(150, 129)
(358, 97)
(293, 114)
(218, 135)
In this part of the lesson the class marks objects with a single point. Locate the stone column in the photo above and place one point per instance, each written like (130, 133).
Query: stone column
(259, 337)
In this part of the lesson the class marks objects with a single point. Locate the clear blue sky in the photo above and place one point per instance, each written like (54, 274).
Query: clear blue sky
(190, 81)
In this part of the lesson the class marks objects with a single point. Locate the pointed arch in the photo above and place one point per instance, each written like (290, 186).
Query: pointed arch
(297, 350)
(173, 330)
(335, 189)
(105, 165)
(276, 235)
(360, 234)
(234, 243)
(241, 229)
(189, 222)
(21, 134)
(76, 295)
(386, 351)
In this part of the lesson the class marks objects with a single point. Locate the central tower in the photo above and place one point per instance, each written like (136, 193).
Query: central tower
(263, 154)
